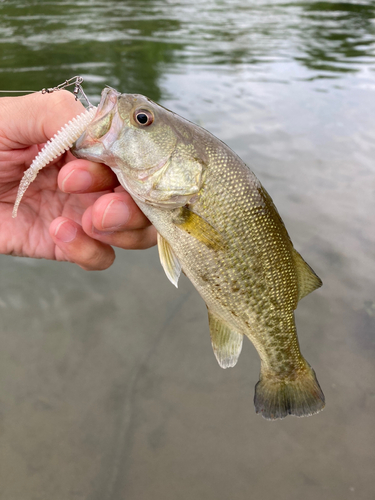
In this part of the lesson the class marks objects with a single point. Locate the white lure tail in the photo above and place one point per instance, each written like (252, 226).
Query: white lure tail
(60, 142)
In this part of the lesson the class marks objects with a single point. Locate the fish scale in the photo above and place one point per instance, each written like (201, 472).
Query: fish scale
(217, 223)
(252, 237)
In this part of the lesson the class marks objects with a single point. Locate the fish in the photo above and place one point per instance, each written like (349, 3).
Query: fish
(218, 225)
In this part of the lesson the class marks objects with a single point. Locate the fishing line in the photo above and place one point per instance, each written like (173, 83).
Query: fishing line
(75, 80)
(19, 91)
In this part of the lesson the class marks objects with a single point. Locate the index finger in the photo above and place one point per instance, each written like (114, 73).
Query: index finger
(35, 118)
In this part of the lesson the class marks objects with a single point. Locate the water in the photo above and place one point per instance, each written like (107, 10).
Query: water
(109, 386)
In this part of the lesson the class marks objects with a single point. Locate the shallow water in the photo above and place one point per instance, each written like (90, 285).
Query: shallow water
(109, 388)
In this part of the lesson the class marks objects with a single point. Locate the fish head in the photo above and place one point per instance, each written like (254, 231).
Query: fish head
(147, 146)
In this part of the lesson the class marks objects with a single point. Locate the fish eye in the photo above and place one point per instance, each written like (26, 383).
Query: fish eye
(143, 117)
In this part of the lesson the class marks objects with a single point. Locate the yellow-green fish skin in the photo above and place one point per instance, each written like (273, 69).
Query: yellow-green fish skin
(226, 233)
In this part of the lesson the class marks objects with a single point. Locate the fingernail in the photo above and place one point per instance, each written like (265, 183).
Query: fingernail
(115, 215)
(96, 231)
(76, 181)
(65, 231)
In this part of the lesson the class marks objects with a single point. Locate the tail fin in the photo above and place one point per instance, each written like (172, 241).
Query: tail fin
(277, 398)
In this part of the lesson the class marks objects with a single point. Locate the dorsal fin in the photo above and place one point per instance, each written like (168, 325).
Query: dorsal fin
(226, 343)
(308, 281)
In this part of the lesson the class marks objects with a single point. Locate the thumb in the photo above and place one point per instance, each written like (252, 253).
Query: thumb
(35, 118)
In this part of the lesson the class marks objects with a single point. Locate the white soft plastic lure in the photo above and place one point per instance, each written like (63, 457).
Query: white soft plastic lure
(60, 142)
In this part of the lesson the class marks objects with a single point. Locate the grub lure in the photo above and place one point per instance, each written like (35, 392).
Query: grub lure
(59, 143)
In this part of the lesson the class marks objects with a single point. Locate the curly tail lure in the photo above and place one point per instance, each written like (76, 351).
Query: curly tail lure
(60, 142)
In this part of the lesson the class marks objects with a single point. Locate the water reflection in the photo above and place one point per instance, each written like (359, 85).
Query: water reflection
(337, 37)
(130, 44)
(110, 43)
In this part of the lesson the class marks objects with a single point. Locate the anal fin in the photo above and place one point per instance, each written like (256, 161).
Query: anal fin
(226, 343)
(169, 260)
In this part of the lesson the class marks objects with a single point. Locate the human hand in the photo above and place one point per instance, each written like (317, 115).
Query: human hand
(75, 210)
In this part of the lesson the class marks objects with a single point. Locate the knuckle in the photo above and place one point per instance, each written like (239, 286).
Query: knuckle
(138, 239)
(98, 259)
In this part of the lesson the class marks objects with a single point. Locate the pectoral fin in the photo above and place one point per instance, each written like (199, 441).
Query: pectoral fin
(198, 228)
(308, 281)
(226, 343)
(169, 260)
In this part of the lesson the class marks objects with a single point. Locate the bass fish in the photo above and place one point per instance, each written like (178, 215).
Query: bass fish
(218, 225)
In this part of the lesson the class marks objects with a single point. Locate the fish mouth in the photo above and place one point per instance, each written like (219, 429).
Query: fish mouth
(94, 144)
(108, 102)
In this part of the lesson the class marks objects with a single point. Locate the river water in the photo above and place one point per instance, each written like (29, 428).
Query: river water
(109, 388)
